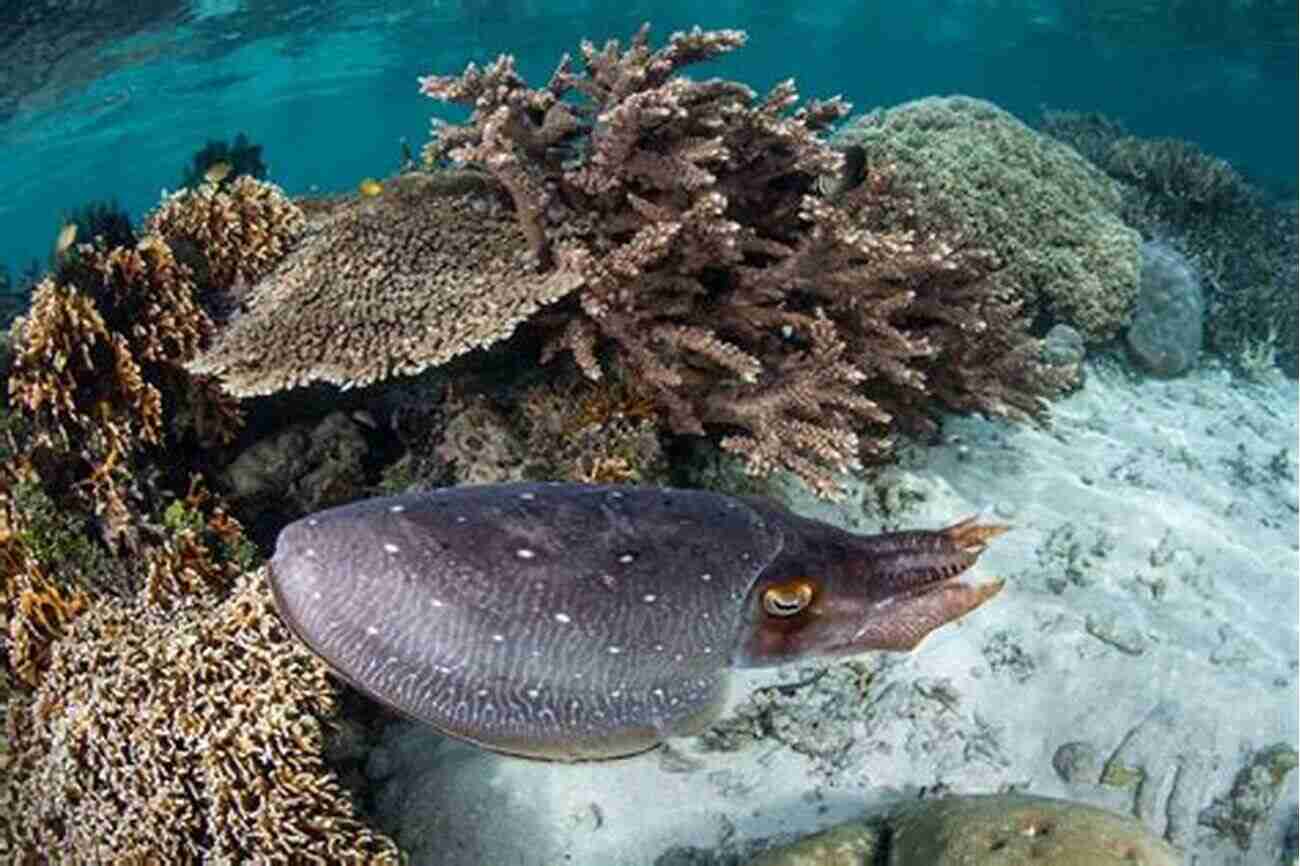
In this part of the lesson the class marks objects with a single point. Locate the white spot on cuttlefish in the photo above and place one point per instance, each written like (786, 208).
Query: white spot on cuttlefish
(649, 597)
(390, 547)
(562, 617)
(626, 558)
(706, 577)
(524, 553)
(498, 638)
(614, 650)
(527, 495)
(397, 509)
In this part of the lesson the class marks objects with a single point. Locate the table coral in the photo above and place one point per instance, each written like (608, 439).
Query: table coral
(384, 286)
(180, 736)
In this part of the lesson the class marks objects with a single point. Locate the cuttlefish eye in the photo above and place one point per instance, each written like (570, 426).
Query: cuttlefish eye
(788, 598)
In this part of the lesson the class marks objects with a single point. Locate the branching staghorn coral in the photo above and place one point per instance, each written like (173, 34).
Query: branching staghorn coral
(718, 279)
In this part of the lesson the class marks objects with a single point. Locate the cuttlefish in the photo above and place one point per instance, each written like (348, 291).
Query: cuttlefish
(578, 622)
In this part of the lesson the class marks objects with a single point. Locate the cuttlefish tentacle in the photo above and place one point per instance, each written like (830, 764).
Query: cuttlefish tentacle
(917, 613)
(920, 558)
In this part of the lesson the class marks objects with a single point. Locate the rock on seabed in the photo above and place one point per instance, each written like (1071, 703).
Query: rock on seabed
(983, 830)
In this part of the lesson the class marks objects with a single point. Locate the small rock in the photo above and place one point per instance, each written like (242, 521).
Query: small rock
(1165, 337)
(1078, 762)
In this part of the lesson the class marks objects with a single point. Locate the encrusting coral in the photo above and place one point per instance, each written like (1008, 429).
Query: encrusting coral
(184, 734)
(382, 286)
(713, 273)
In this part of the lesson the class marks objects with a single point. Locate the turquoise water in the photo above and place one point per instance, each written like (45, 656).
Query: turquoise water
(92, 108)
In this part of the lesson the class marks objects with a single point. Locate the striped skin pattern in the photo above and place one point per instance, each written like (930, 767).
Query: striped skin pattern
(579, 622)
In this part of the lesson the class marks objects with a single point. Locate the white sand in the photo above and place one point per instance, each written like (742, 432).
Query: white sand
(1150, 614)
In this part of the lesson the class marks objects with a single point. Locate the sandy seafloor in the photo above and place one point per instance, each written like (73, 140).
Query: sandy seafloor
(1149, 618)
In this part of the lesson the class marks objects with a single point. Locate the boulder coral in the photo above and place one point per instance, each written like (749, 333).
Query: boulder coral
(1165, 337)
(185, 734)
(1050, 217)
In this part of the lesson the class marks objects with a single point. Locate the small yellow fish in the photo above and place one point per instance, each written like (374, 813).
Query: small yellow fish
(217, 172)
(67, 235)
(370, 187)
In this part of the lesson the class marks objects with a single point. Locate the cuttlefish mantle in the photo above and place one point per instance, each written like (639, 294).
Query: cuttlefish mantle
(576, 622)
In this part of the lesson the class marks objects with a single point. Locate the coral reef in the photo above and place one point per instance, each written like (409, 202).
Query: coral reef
(93, 363)
(478, 443)
(717, 278)
(1254, 794)
(1052, 220)
(104, 222)
(1244, 246)
(385, 286)
(230, 234)
(593, 432)
(181, 735)
(298, 469)
(1165, 336)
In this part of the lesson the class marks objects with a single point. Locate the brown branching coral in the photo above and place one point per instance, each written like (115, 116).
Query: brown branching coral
(230, 235)
(34, 607)
(186, 736)
(96, 357)
(713, 273)
(385, 286)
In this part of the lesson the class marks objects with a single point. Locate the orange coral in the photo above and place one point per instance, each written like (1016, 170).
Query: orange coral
(94, 357)
(34, 609)
(230, 234)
